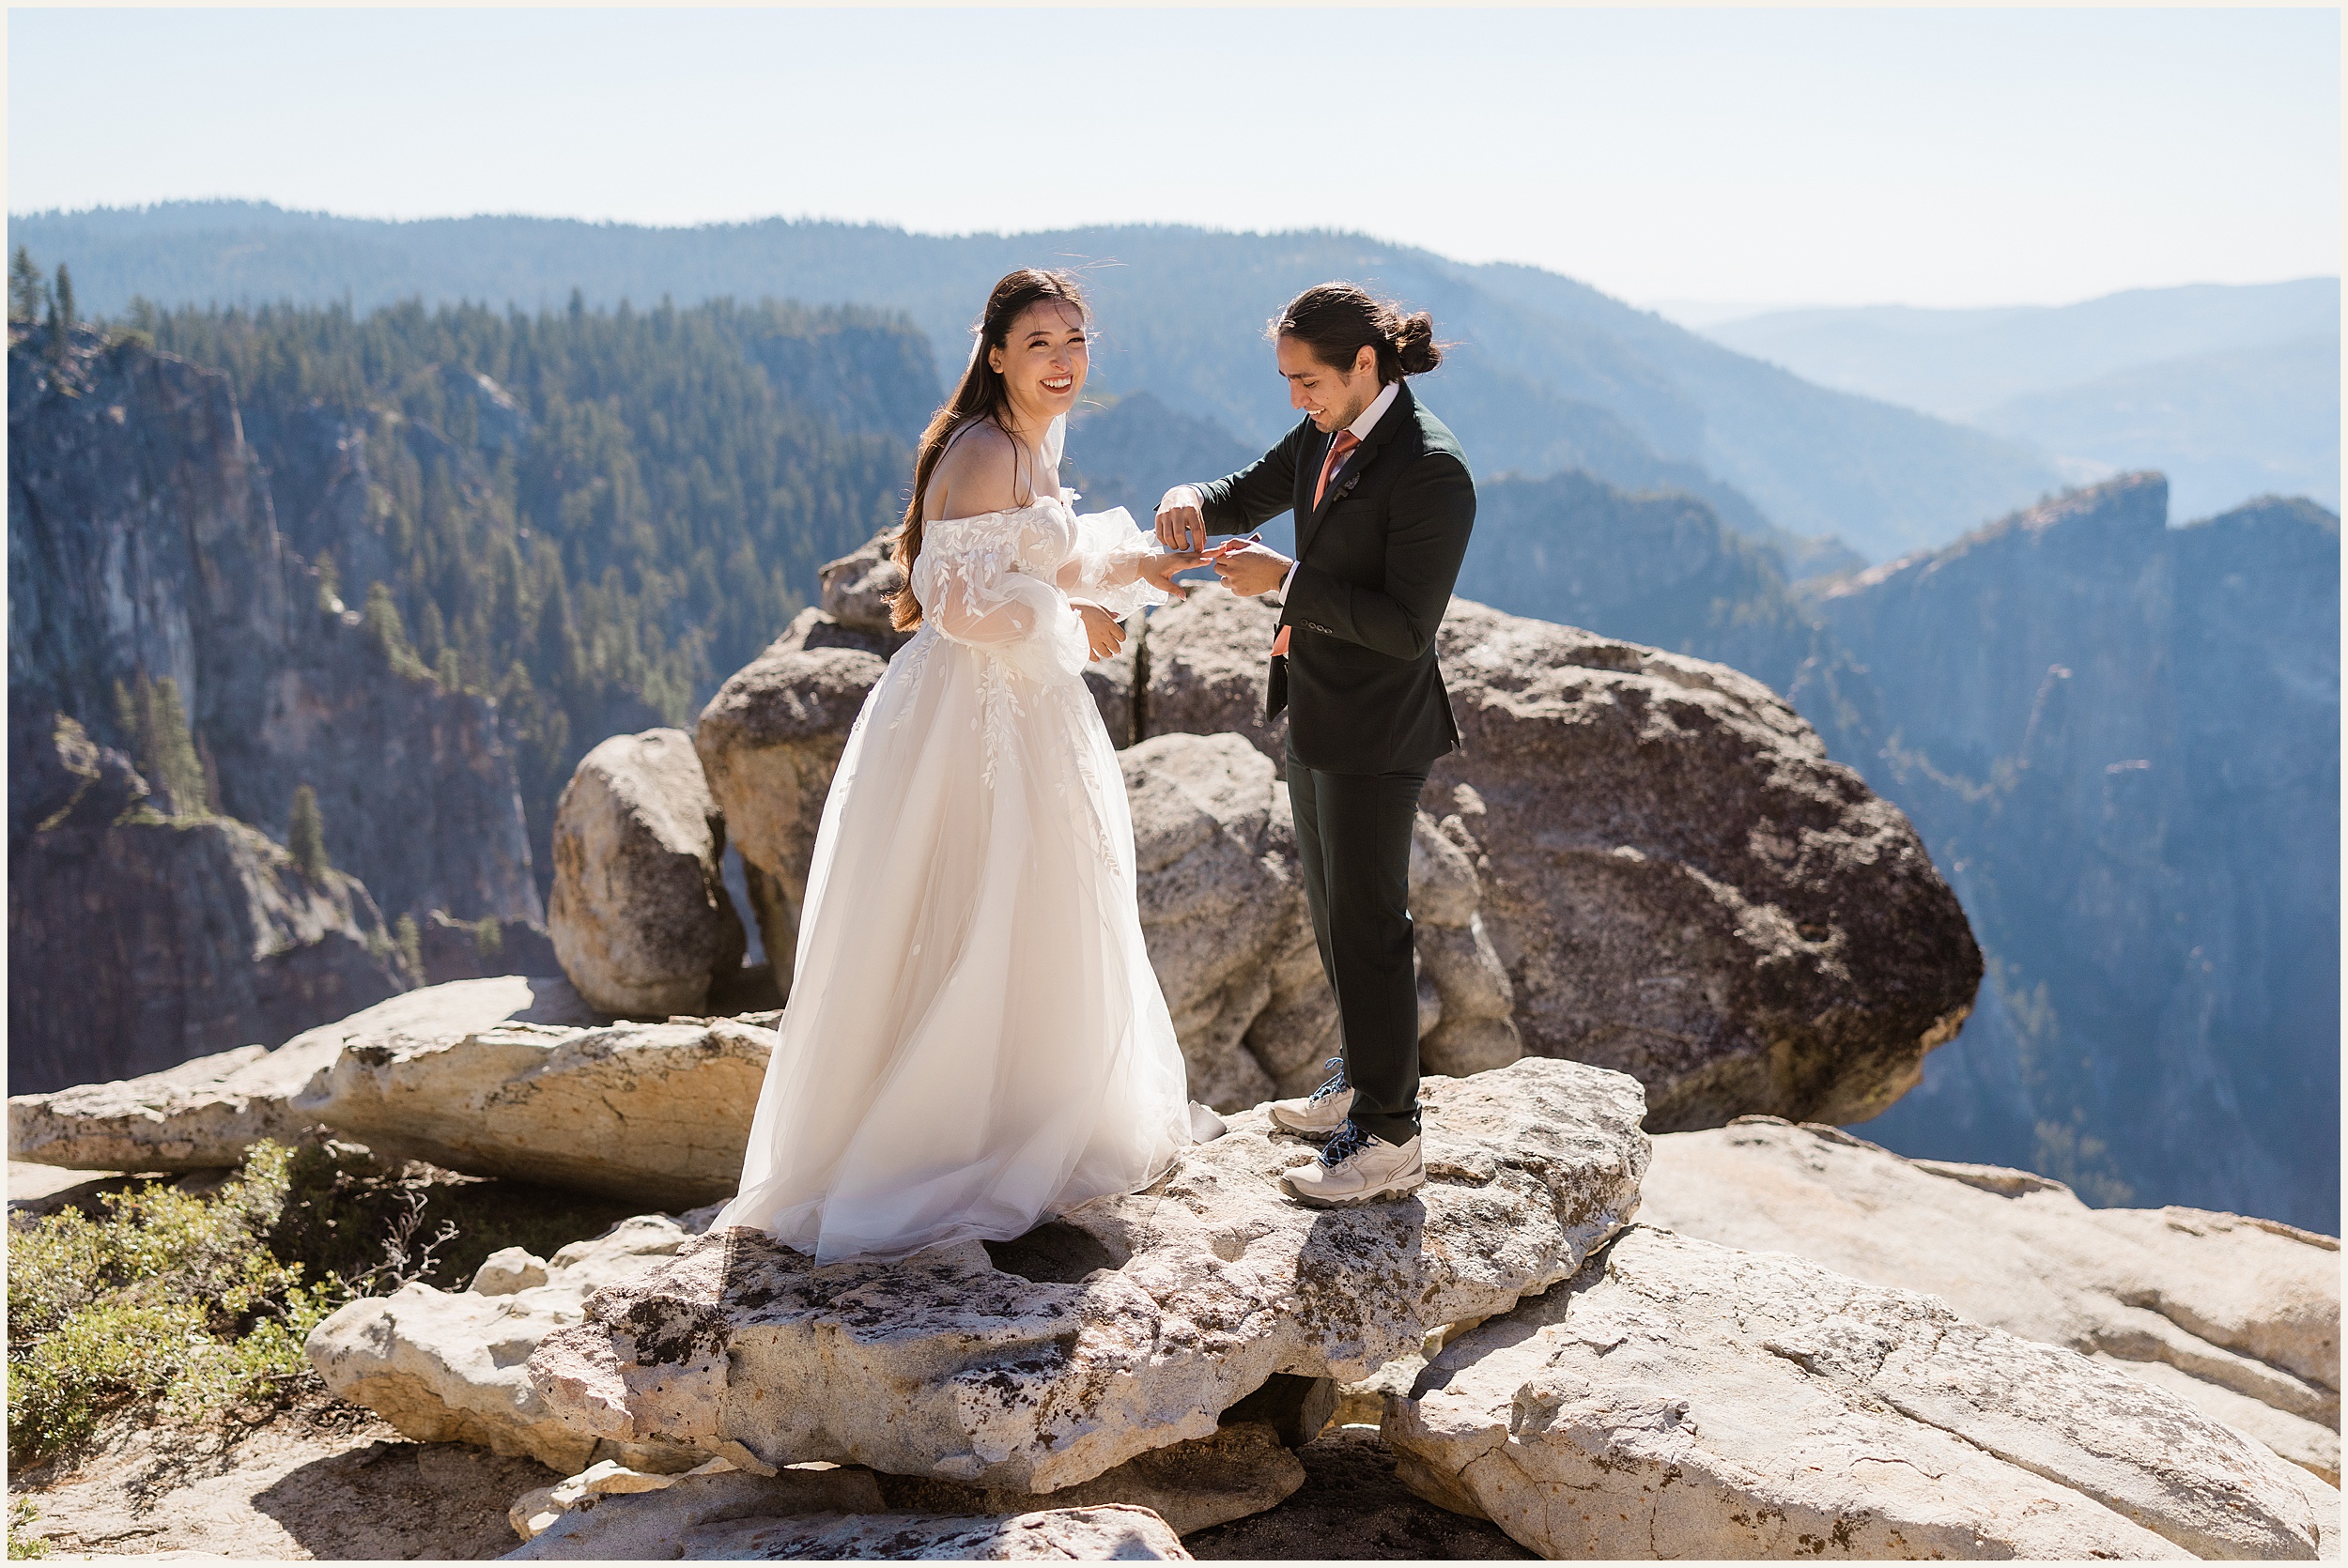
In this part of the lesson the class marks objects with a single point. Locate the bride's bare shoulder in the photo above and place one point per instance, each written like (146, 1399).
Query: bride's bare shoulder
(982, 471)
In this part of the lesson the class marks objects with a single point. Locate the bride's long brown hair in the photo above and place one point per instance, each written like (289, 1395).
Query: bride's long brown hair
(982, 395)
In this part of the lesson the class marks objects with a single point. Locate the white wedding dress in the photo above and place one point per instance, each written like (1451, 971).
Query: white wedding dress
(975, 1037)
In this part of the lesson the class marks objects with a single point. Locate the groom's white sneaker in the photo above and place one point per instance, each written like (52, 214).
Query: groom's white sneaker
(1353, 1167)
(1321, 1113)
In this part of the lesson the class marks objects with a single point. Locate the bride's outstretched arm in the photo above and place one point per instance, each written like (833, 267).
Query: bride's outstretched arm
(1109, 561)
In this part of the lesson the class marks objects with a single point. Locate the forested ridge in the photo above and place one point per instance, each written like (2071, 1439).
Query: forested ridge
(630, 508)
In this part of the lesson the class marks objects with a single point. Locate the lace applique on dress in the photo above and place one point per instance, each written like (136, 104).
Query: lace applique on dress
(917, 657)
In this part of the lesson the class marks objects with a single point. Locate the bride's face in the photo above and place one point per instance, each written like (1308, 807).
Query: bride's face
(1044, 360)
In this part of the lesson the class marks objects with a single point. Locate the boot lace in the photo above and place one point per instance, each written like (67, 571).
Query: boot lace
(1336, 1085)
(1343, 1144)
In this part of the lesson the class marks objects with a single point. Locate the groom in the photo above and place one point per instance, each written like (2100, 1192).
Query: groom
(1383, 505)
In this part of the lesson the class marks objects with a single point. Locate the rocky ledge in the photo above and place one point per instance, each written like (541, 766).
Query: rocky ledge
(1683, 1399)
(2239, 1317)
(1129, 1323)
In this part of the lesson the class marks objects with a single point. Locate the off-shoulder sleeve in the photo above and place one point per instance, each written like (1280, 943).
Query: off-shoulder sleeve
(970, 587)
(1105, 566)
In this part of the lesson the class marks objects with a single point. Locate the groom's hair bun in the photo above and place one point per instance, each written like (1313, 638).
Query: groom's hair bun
(1337, 320)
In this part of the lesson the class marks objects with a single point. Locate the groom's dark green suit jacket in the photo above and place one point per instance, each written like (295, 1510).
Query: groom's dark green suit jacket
(1376, 563)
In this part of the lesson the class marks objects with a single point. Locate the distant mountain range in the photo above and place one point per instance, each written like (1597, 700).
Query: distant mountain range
(2233, 391)
(2120, 741)
(1548, 373)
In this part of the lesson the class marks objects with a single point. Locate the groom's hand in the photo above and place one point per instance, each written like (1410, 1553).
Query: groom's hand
(1249, 569)
(1182, 526)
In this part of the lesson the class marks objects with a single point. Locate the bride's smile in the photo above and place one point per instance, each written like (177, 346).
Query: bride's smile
(1043, 362)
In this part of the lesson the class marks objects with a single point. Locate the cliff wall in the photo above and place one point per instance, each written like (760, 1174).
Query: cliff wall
(143, 542)
(2122, 742)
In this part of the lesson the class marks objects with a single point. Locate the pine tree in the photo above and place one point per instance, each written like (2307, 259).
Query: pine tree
(409, 941)
(156, 721)
(28, 294)
(388, 633)
(61, 314)
(306, 835)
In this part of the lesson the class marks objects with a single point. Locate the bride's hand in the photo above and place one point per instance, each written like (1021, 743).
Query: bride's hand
(1103, 631)
(1158, 570)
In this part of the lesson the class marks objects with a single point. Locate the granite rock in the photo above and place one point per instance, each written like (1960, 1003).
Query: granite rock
(1676, 881)
(1240, 1469)
(768, 742)
(145, 541)
(205, 1114)
(639, 916)
(138, 940)
(1681, 1399)
(446, 1367)
(660, 1111)
(2239, 1316)
(1107, 1534)
(1128, 1323)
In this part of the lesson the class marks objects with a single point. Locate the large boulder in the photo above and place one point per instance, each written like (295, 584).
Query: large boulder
(1474, 1026)
(1222, 912)
(609, 1513)
(656, 1112)
(1677, 881)
(205, 1114)
(1129, 1323)
(1209, 656)
(859, 590)
(201, 1114)
(1682, 1399)
(768, 744)
(2239, 1316)
(639, 916)
(445, 1366)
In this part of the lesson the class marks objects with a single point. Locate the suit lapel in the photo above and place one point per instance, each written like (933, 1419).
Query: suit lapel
(1356, 464)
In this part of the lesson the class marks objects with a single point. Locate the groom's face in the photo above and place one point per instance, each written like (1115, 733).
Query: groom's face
(1335, 397)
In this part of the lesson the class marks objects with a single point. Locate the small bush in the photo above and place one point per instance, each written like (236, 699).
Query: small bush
(22, 1541)
(169, 1298)
(188, 1307)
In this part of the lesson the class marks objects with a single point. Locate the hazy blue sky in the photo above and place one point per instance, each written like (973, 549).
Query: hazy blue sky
(1930, 157)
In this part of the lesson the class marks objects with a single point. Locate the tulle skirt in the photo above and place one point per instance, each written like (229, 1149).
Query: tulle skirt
(975, 1037)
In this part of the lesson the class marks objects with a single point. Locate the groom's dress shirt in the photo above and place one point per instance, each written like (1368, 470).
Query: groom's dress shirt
(1361, 429)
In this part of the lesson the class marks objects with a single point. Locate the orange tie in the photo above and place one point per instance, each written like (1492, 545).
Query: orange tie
(1345, 442)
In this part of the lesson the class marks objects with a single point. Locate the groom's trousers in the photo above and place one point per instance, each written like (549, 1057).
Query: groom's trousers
(1353, 843)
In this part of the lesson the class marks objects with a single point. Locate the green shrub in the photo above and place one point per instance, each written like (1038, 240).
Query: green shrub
(22, 1513)
(188, 1306)
(169, 1298)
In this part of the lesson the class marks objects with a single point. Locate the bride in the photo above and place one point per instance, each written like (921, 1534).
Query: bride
(975, 1035)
